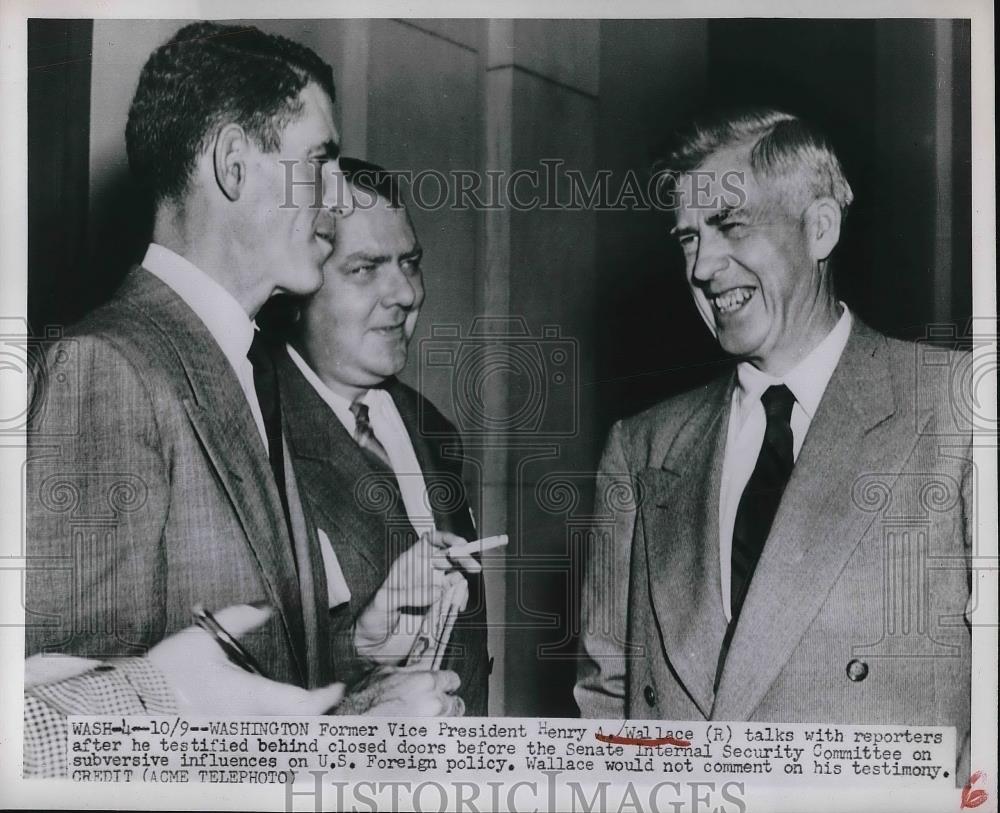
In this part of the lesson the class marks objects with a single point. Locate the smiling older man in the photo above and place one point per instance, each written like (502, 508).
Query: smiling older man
(778, 552)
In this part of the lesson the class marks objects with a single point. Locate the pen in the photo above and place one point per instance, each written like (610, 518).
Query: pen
(236, 653)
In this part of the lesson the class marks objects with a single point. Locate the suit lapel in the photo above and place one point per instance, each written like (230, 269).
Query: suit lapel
(330, 468)
(312, 577)
(680, 515)
(224, 424)
(817, 526)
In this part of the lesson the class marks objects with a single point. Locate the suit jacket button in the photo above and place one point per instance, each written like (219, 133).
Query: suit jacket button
(650, 694)
(857, 670)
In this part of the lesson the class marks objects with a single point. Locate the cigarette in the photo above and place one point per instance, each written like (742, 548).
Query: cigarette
(479, 546)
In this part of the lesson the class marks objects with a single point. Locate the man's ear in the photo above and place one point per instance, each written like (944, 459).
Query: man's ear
(229, 156)
(823, 220)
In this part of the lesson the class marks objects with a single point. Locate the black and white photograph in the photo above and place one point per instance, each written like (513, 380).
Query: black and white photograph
(500, 411)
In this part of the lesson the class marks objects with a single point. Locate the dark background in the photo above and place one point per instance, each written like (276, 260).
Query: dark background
(840, 75)
(894, 96)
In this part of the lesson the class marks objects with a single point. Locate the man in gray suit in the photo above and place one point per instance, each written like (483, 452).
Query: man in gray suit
(156, 477)
(756, 569)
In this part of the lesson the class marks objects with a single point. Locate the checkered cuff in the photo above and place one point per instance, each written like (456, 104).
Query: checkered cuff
(122, 687)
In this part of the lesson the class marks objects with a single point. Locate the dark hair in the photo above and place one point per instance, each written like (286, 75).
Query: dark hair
(204, 77)
(371, 178)
(783, 149)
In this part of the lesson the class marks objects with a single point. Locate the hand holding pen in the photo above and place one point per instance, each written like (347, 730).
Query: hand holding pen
(233, 649)
(207, 679)
(211, 673)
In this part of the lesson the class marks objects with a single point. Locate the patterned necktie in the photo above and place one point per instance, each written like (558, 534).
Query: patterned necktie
(759, 503)
(266, 386)
(365, 437)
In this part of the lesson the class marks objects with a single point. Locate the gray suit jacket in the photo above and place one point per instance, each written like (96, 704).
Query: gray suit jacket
(356, 503)
(866, 561)
(149, 489)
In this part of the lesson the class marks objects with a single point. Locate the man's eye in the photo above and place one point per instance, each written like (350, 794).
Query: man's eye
(361, 270)
(688, 242)
(733, 229)
(411, 266)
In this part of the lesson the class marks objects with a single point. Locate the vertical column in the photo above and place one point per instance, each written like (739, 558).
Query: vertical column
(353, 86)
(539, 269)
(493, 299)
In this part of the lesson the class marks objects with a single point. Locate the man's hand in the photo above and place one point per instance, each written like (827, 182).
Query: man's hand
(206, 682)
(450, 546)
(387, 627)
(405, 692)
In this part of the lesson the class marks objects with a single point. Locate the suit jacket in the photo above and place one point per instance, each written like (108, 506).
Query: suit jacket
(866, 563)
(149, 490)
(357, 504)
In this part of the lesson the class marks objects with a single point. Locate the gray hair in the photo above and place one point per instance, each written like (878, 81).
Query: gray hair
(783, 149)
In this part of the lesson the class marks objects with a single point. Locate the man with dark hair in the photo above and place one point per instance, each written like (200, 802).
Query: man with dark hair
(157, 476)
(355, 432)
(207, 76)
(777, 507)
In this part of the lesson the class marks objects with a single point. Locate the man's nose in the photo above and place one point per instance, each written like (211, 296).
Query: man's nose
(710, 259)
(337, 194)
(401, 289)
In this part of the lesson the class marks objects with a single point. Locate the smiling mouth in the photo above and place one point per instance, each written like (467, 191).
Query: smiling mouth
(732, 300)
(389, 330)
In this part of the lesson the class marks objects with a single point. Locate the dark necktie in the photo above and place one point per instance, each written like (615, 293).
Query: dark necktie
(365, 437)
(763, 491)
(759, 502)
(266, 386)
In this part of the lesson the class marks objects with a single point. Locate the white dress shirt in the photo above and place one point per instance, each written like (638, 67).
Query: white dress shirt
(388, 427)
(747, 422)
(218, 309)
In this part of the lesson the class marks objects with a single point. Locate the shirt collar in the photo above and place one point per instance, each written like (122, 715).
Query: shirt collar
(340, 405)
(212, 304)
(807, 380)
